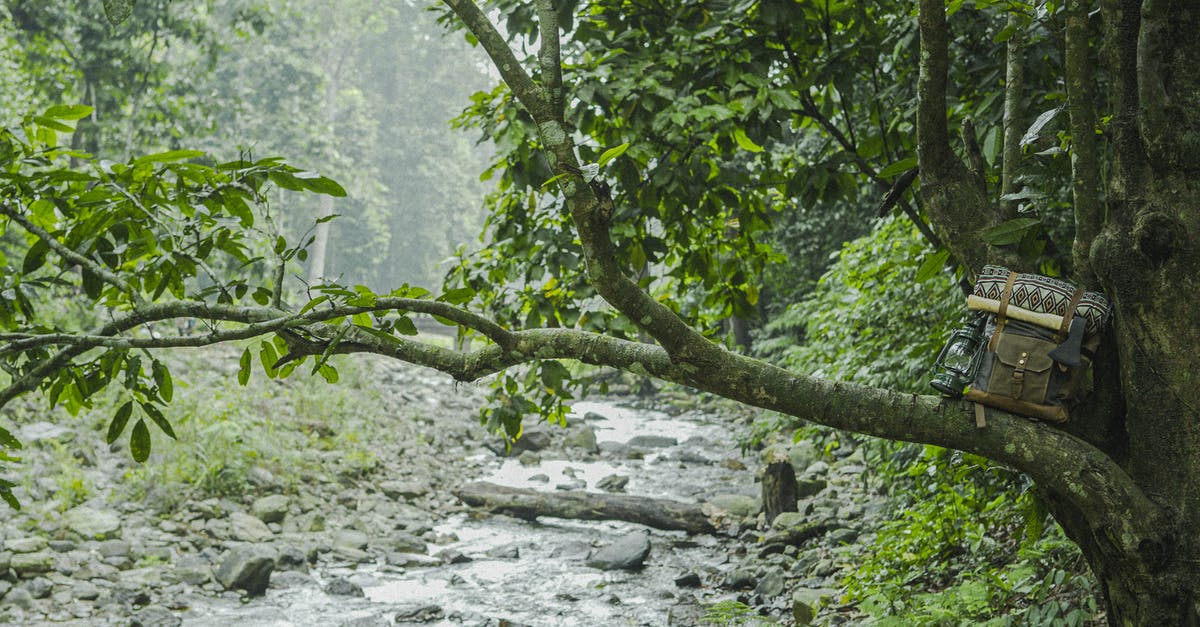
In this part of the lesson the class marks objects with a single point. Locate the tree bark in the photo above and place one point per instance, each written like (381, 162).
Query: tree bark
(778, 489)
(530, 504)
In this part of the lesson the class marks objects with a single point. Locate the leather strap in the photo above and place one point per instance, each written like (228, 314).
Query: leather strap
(1002, 312)
(980, 420)
(1068, 316)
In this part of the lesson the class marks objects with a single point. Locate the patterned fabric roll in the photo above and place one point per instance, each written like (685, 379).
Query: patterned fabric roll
(1043, 294)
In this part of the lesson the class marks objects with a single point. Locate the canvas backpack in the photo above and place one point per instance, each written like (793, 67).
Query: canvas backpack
(1041, 337)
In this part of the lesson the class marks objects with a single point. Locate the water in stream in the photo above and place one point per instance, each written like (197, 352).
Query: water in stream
(535, 573)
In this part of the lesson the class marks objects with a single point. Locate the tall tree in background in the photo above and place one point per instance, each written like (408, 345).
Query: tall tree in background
(1121, 478)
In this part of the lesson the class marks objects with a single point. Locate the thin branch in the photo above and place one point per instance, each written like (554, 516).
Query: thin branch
(1014, 82)
(1085, 157)
(69, 255)
(549, 56)
(502, 56)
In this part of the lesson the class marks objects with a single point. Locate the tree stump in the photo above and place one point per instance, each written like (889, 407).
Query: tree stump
(778, 489)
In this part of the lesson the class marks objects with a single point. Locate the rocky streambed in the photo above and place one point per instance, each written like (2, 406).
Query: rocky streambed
(389, 543)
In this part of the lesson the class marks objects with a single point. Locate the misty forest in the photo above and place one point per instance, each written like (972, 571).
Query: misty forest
(599, 312)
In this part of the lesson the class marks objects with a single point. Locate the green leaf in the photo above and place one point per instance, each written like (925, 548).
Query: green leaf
(159, 419)
(118, 11)
(139, 442)
(553, 374)
(53, 124)
(244, 367)
(1035, 129)
(120, 419)
(932, 265)
(1009, 232)
(613, 153)
(739, 135)
(329, 373)
(317, 183)
(168, 156)
(899, 167)
(8, 440)
(268, 356)
(313, 303)
(36, 257)
(457, 296)
(162, 378)
(404, 326)
(68, 112)
(362, 319)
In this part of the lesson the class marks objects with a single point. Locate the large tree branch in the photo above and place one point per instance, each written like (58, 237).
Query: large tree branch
(957, 207)
(1014, 83)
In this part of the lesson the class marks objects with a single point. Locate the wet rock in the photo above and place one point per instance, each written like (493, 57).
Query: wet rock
(739, 505)
(113, 548)
(688, 580)
(20, 597)
(803, 454)
(247, 568)
(816, 469)
(411, 560)
(613, 483)
(4, 588)
(32, 544)
(155, 616)
(271, 509)
(292, 579)
(193, 570)
(351, 554)
(540, 478)
(508, 552)
(247, 528)
(342, 587)
(627, 553)
(533, 440)
(451, 556)
(403, 490)
(85, 591)
(572, 551)
(809, 487)
(291, 558)
(529, 458)
(420, 614)
(770, 585)
(25, 564)
(732, 464)
(349, 538)
(39, 587)
(262, 478)
(584, 438)
(592, 416)
(790, 520)
(742, 578)
(93, 524)
(574, 484)
(843, 536)
(62, 546)
(403, 542)
(652, 441)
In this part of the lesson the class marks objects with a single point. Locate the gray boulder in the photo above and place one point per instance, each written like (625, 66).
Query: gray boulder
(421, 614)
(247, 568)
(343, 587)
(627, 553)
(739, 505)
(247, 528)
(653, 441)
(30, 563)
(155, 616)
(93, 524)
(270, 509)
(403, 490)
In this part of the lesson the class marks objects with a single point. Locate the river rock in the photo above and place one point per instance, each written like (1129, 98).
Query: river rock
(155, 616)
(613, 483)
(508, 552)
(247, 528)
(584, 438)
(193, 569)
(739, 505)
(770, 585)
(532, 440)
(39, 587)
(411, 560)
(20, 597)
(789, 520)
(688, 580)
(627, 553)
(93, 524)
(271, 509)
(25, 564)
(62, 546)
(247, 568)
(403, 490)
(404, 542)
(85, 591)
(592, 416)
(291, 579)
(816, 469)
(422, 614)
(113, 548)
(810, 487)
(291, 558)
(32, 544)
(349, 538)
(342, 587)
(652, 441)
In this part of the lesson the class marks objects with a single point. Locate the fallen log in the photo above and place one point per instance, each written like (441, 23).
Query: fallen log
(530, 504)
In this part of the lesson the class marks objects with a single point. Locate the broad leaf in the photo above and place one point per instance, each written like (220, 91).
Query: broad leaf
(1009, 232)
(139, 442)
(612, 153)
(120, 419)
(159, 419)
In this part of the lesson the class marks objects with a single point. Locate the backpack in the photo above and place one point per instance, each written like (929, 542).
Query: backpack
(1042, 335)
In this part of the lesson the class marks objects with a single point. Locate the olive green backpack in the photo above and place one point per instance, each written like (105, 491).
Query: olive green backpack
(1041, 337)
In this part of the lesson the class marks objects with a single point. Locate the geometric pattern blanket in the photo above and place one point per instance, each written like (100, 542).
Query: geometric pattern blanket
(1043, 294)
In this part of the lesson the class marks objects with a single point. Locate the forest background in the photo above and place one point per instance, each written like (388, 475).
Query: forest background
(798, 239)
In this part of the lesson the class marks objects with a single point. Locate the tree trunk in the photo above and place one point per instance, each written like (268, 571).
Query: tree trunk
(530, 504)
